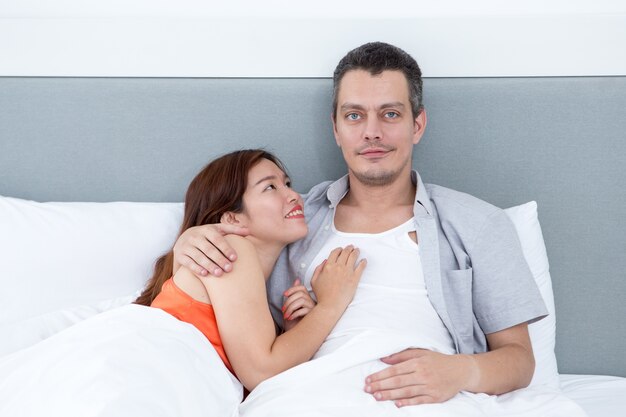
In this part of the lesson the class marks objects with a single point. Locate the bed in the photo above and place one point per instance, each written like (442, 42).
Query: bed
(92, 172)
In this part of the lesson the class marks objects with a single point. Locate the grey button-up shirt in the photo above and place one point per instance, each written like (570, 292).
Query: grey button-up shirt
(475, 273)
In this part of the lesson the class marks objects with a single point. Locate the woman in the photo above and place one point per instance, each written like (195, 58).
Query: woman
(250, 189)
(141, 361)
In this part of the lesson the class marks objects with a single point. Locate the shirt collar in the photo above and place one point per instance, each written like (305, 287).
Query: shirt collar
(339, 189)
(421, 197)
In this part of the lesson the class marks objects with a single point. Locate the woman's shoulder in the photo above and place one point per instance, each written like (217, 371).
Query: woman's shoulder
(239, 242)
(246, 269)
(246, 251)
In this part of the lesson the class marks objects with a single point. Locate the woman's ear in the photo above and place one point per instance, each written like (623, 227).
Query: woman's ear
(231, 218)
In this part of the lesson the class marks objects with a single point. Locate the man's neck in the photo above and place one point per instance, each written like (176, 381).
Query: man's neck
(368, 209)
(381, 198)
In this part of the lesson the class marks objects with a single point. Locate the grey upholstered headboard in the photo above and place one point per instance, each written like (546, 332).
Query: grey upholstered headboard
(559, 141)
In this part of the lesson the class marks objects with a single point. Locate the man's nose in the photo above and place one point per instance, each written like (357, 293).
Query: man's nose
(373, 129)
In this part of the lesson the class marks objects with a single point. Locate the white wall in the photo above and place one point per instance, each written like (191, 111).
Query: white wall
(246, 38)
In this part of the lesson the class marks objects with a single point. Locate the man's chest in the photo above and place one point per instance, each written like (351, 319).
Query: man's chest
(350, 219)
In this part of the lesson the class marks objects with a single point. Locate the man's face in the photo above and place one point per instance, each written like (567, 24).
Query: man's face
(374, 126)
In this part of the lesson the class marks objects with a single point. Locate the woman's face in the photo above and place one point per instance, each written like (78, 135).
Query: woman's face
(272, 211)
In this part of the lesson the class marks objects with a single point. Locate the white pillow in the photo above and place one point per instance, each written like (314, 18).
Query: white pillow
(542, 332)
(60, 255)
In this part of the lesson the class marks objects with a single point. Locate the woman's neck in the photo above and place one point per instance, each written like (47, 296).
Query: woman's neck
(268, 254)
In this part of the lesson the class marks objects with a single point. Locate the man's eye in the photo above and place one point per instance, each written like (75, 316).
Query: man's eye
(391, 115)
(352, 116)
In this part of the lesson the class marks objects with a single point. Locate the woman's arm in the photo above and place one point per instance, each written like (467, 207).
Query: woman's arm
(245, 323)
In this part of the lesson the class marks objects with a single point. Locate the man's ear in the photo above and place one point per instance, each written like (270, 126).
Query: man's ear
(334, 122)
(419, 126)
(231, 217)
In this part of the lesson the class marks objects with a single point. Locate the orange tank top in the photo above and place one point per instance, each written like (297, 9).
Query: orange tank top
(185, 308)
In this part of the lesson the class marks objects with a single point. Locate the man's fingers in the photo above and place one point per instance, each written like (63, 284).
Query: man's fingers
(392, 383)
(221, 244)
(204, 250)
(400, 394)
(405, 389)
(403, 356)
(209, 261)
(217, 250)
(231, 229)
(190, 264)
(420, 399)
(389, 372)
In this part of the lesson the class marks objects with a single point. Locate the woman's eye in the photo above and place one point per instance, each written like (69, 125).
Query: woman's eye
(288, 184)
(270, 187)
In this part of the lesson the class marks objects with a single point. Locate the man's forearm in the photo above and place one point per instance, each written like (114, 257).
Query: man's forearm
(499, 371)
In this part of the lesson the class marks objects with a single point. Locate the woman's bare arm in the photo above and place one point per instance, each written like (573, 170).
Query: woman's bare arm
(246, 326)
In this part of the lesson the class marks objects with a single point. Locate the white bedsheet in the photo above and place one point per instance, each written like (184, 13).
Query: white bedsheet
(598, 395)
(332, 385)
(131, 361)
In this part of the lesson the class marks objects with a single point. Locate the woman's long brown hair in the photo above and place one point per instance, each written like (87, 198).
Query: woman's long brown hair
(217, 189)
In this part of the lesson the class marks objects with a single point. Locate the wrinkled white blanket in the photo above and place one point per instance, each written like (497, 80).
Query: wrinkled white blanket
(138, 361)
(332, 385)
(131, 361)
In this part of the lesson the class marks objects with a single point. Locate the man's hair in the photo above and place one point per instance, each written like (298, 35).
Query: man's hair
(376, 57)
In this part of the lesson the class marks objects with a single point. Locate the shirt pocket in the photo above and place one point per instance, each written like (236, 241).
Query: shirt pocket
(459, 303)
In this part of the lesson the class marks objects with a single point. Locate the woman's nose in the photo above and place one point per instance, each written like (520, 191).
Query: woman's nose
(292, 197)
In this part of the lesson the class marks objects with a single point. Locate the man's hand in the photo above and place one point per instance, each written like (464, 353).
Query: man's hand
(418, 376)
(297, 304)
(203, 249)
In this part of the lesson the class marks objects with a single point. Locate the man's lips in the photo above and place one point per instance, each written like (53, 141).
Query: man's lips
(295, 213)
(374, 152)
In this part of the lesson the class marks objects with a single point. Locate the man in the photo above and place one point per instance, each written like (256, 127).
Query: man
(471, 268)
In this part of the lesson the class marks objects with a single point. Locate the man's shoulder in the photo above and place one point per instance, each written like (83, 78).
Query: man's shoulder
(447, 197)
(462, 210)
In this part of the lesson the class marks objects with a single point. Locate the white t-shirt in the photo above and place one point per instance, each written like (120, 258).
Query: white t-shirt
(391, 295)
